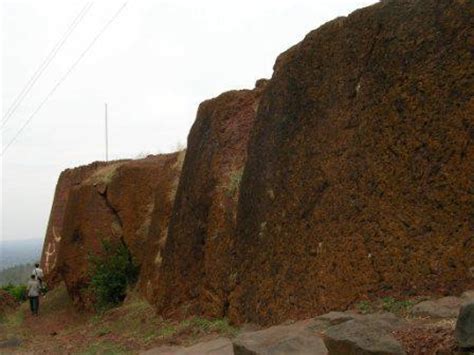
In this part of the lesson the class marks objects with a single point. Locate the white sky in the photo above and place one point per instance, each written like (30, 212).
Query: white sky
(153, 66)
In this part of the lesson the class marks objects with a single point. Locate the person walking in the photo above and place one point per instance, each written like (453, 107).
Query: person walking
(38, 272)
(34, 290)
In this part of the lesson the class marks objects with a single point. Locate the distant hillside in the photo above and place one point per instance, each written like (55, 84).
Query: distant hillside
(16, 252)
(16, 274)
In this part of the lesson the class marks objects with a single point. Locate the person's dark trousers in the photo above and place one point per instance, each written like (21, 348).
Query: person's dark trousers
(34, 305)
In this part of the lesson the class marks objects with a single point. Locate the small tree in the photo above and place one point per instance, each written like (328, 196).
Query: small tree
(112, 271)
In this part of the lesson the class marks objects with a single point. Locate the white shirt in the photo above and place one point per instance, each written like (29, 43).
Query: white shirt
(33, 288)
(38, 273)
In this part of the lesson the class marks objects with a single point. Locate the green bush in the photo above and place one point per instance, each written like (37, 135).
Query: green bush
(17, 291)
(111, 273)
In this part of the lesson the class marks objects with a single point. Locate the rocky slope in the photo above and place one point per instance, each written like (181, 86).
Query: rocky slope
(359, 173)
(201, 233)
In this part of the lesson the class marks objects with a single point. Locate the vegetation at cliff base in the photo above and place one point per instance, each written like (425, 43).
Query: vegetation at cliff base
(386, 304)
(112, 271)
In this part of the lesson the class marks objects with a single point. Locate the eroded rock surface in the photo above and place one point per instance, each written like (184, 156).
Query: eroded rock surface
(279, 340)
(446, 307)
(366, 335)
(67, 180)
(219, 346)
(166, 184)
(334, 318)
(359, 173)
(196, 269)
(116, 203)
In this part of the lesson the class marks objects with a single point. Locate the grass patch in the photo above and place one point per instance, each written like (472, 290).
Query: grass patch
(15, 319)
(105, 347)
(187, 331)
(101, 331)
(167, 331)
(104, 174)
(201, 326)
(220, 326)
(364, 307)
(12, 324)
(135, 319)
(385, 304)
(390, 304)
(56, 299)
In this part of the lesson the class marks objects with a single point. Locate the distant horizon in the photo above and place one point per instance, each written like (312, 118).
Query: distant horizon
(21, 239)
(19, 251)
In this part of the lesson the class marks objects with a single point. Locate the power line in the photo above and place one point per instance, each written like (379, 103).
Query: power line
(51, 92)
(52, 54)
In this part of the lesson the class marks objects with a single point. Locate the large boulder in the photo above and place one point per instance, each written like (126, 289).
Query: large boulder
(115, 204)
(358, 180)
(446, 307)
(464, 331)
(196, 262)
(334, 318)
(219, 346)
(467, 296)
(295, 339)
(368, 335)
(67, 180)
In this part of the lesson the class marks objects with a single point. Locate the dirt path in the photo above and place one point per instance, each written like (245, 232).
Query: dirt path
(50, 332)
(134, 326)
(128, 329)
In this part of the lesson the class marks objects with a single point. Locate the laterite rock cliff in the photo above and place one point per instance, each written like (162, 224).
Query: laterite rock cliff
(116, 203)
(347, 176)
(196, 275)
(67, 180)
(359, 178)
(164, 194)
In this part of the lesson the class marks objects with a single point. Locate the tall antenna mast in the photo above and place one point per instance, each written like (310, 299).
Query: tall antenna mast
(106, 136)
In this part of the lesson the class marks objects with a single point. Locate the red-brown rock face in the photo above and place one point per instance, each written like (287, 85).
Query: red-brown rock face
(359, 180)
(195, 271)
(67, 180)
(115, 203)
(164, 193)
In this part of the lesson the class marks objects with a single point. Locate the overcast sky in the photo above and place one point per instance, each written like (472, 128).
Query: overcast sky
(153, 66)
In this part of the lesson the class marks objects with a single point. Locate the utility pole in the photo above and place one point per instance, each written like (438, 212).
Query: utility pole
(106, 136)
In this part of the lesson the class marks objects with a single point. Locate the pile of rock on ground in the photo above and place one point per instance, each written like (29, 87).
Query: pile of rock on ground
(441, 326)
